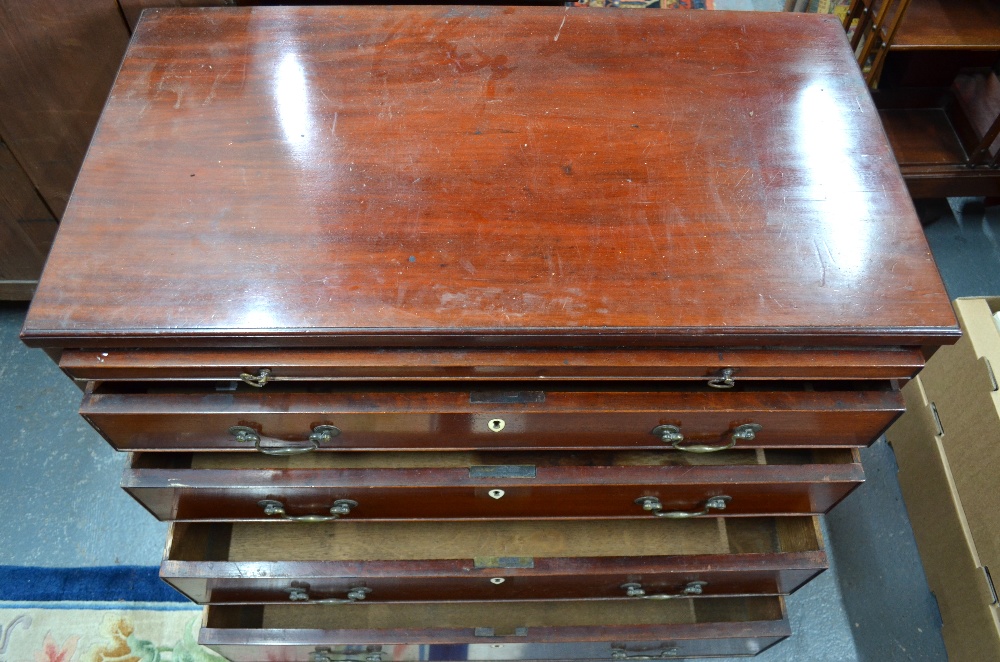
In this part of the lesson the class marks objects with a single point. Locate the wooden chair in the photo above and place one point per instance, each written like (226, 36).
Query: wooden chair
(875, 23)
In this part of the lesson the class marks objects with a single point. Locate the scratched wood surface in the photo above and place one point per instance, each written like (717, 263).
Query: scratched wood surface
(463, 176)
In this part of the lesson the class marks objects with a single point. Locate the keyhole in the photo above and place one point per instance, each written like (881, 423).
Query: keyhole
(496, 424)
(496, 494)
(497, 580)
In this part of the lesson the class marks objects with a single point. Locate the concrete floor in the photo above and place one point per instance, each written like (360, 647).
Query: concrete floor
(59, 482)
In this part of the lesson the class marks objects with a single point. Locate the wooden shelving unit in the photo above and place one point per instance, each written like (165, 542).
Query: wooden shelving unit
(939, 98)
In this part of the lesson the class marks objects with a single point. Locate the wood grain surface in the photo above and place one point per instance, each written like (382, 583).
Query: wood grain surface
(466, 176)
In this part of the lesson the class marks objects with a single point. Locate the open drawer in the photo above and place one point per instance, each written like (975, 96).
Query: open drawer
(293, 418)
(490, 485)
(368, 562)
(478, 631)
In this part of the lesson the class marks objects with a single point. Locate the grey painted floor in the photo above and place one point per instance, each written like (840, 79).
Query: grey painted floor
(58, 477)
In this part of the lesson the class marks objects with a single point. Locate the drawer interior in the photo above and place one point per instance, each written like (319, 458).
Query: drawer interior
(504, 617)
(481, 392)
(415, 541)
(438, 460)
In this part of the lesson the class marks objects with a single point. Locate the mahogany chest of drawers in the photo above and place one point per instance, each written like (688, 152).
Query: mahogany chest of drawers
(457, 333)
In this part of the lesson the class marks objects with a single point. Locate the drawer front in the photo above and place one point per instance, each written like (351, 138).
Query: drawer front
(606, 630)
(551, 492)
(452, 421)
(233, 645)
(272, 366)
(370, 563)
(548, 579)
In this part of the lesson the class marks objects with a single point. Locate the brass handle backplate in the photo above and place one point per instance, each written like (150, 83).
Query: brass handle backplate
(300, 593)
(340, 507)
(319, 435)
(655, 507)
(635, 590)
(671, 434)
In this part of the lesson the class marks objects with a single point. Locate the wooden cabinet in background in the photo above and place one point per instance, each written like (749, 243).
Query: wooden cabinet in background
(939, 98)
(57, 63)
(27, 228)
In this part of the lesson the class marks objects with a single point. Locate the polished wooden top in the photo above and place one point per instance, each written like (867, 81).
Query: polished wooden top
(467, 176)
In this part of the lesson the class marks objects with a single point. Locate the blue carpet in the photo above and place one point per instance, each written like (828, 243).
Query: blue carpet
(101, 584)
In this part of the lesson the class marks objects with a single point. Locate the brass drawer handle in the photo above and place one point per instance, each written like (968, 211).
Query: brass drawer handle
(327, 655)
(724, 380)
(671, 434)
(300, 593)
(320, 434)
(653, 505)
(258, 380)
(621, 654)
(635, 590)
(340, 507)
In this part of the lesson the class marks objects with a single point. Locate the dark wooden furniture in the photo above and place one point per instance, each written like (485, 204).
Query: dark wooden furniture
(939, 98)
(460, 306)
(59, 61)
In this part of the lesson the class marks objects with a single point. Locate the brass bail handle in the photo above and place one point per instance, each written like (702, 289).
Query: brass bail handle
(301, 594)
(724, 380)
(262, 377)
(340, 507)
(635, 590)
(655, 507)
(671, 434)
(621, 654)
(320, 434)
(327, 655)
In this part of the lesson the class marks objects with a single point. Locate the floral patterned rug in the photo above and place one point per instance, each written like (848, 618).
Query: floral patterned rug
(107, 614)
(101, 632)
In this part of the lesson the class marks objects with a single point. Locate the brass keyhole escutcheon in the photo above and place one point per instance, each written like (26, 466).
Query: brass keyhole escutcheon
(496, 494)
(497, 580)
(496, 424)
